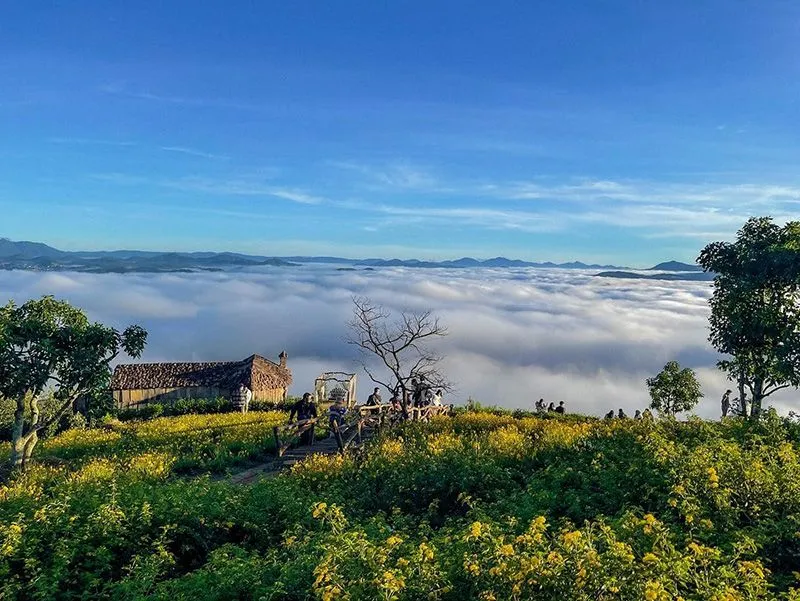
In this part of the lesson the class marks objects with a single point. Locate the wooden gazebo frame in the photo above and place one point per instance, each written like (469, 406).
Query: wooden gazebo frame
(347, 381)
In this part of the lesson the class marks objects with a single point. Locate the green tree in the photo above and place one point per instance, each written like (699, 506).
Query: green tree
(49, 343)
(674, 389)
(755, 308)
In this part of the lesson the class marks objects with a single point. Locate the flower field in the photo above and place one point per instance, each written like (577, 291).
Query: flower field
(481, 506)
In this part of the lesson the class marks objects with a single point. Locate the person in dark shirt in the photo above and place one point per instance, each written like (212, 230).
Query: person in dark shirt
(560, 408)
(374, 398)
(304, 409)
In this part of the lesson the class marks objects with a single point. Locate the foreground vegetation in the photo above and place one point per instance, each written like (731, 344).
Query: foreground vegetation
(482, 506)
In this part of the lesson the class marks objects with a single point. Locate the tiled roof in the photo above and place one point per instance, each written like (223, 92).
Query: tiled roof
(256, 372)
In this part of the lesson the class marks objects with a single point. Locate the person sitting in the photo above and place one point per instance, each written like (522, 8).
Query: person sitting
(610, 415)
(560, 409)
(647, 415)
(551, 407)
(637, 415)
(621, 414)
(304, 409)
(540, 406)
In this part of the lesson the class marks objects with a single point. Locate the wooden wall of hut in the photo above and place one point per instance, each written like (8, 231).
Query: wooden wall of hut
(133, 399)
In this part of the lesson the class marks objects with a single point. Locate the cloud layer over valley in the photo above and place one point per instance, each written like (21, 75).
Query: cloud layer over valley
(515, 335)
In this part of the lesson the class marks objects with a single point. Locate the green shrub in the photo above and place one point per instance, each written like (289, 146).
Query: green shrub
(481, 506)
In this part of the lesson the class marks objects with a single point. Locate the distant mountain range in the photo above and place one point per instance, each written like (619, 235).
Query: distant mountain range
(35, 256)
(41, 257)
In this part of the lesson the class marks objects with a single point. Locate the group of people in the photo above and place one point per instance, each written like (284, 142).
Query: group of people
(422, 395)
(646, 414)
(542, 407)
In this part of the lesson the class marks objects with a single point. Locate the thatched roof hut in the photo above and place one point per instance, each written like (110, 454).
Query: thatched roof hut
(139, 383)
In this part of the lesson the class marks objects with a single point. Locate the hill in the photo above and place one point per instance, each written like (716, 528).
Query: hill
(677, 276)
(675, 266)
(40, 257)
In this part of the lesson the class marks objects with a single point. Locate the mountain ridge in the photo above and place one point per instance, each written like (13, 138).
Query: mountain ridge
(26, 255)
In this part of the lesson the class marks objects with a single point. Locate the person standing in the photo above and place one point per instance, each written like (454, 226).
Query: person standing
(374, 398)
(436, 399)
(240, 398)
(336, 413)
(726, 403)
(304, 409)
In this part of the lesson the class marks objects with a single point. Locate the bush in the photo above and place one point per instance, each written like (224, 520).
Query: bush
(481, 506)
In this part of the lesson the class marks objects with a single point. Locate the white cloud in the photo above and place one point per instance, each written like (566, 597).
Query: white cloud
(515, 335)
(193, 152)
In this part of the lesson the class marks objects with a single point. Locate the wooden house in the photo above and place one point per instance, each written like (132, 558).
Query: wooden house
(137, 384)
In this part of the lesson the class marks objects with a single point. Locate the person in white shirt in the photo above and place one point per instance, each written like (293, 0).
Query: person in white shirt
(241, 398)
(436, 399)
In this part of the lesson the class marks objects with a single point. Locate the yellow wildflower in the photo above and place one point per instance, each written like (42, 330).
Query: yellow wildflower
(476, 529)
(507, 550)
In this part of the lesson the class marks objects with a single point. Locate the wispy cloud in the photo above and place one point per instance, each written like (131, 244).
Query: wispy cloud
(193, 152)
(217, 187)
(394, 176)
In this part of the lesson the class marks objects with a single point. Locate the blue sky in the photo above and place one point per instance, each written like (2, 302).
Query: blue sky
(612, 131)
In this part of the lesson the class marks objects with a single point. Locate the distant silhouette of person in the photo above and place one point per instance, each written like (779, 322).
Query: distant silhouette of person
(647, 414)
(726, 403)
(610, 415)
(560, 408)
(621, 414)
(637, 415)
(540, 405)
(436, 398)
(551, 407)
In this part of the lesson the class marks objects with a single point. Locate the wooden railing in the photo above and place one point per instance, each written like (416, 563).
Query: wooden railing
(351, 431)
(285, 435)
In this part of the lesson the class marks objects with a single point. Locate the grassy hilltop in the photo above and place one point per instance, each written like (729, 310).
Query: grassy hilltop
(482, 506)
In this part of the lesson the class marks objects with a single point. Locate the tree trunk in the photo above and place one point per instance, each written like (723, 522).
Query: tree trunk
(17, 435)
(742, 399)
(33, 438)
(758, 396)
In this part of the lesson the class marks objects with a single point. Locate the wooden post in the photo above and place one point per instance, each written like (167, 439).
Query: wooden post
(277, 441)
(337, 434)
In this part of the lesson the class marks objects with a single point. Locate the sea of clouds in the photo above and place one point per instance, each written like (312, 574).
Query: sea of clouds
(515, 335)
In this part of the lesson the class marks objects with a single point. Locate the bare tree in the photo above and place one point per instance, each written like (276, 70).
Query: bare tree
(401, 343)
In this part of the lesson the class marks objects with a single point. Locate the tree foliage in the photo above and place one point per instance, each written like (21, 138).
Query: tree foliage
(401, 343)
(47, 343)
(674, 389)
(755, 307)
